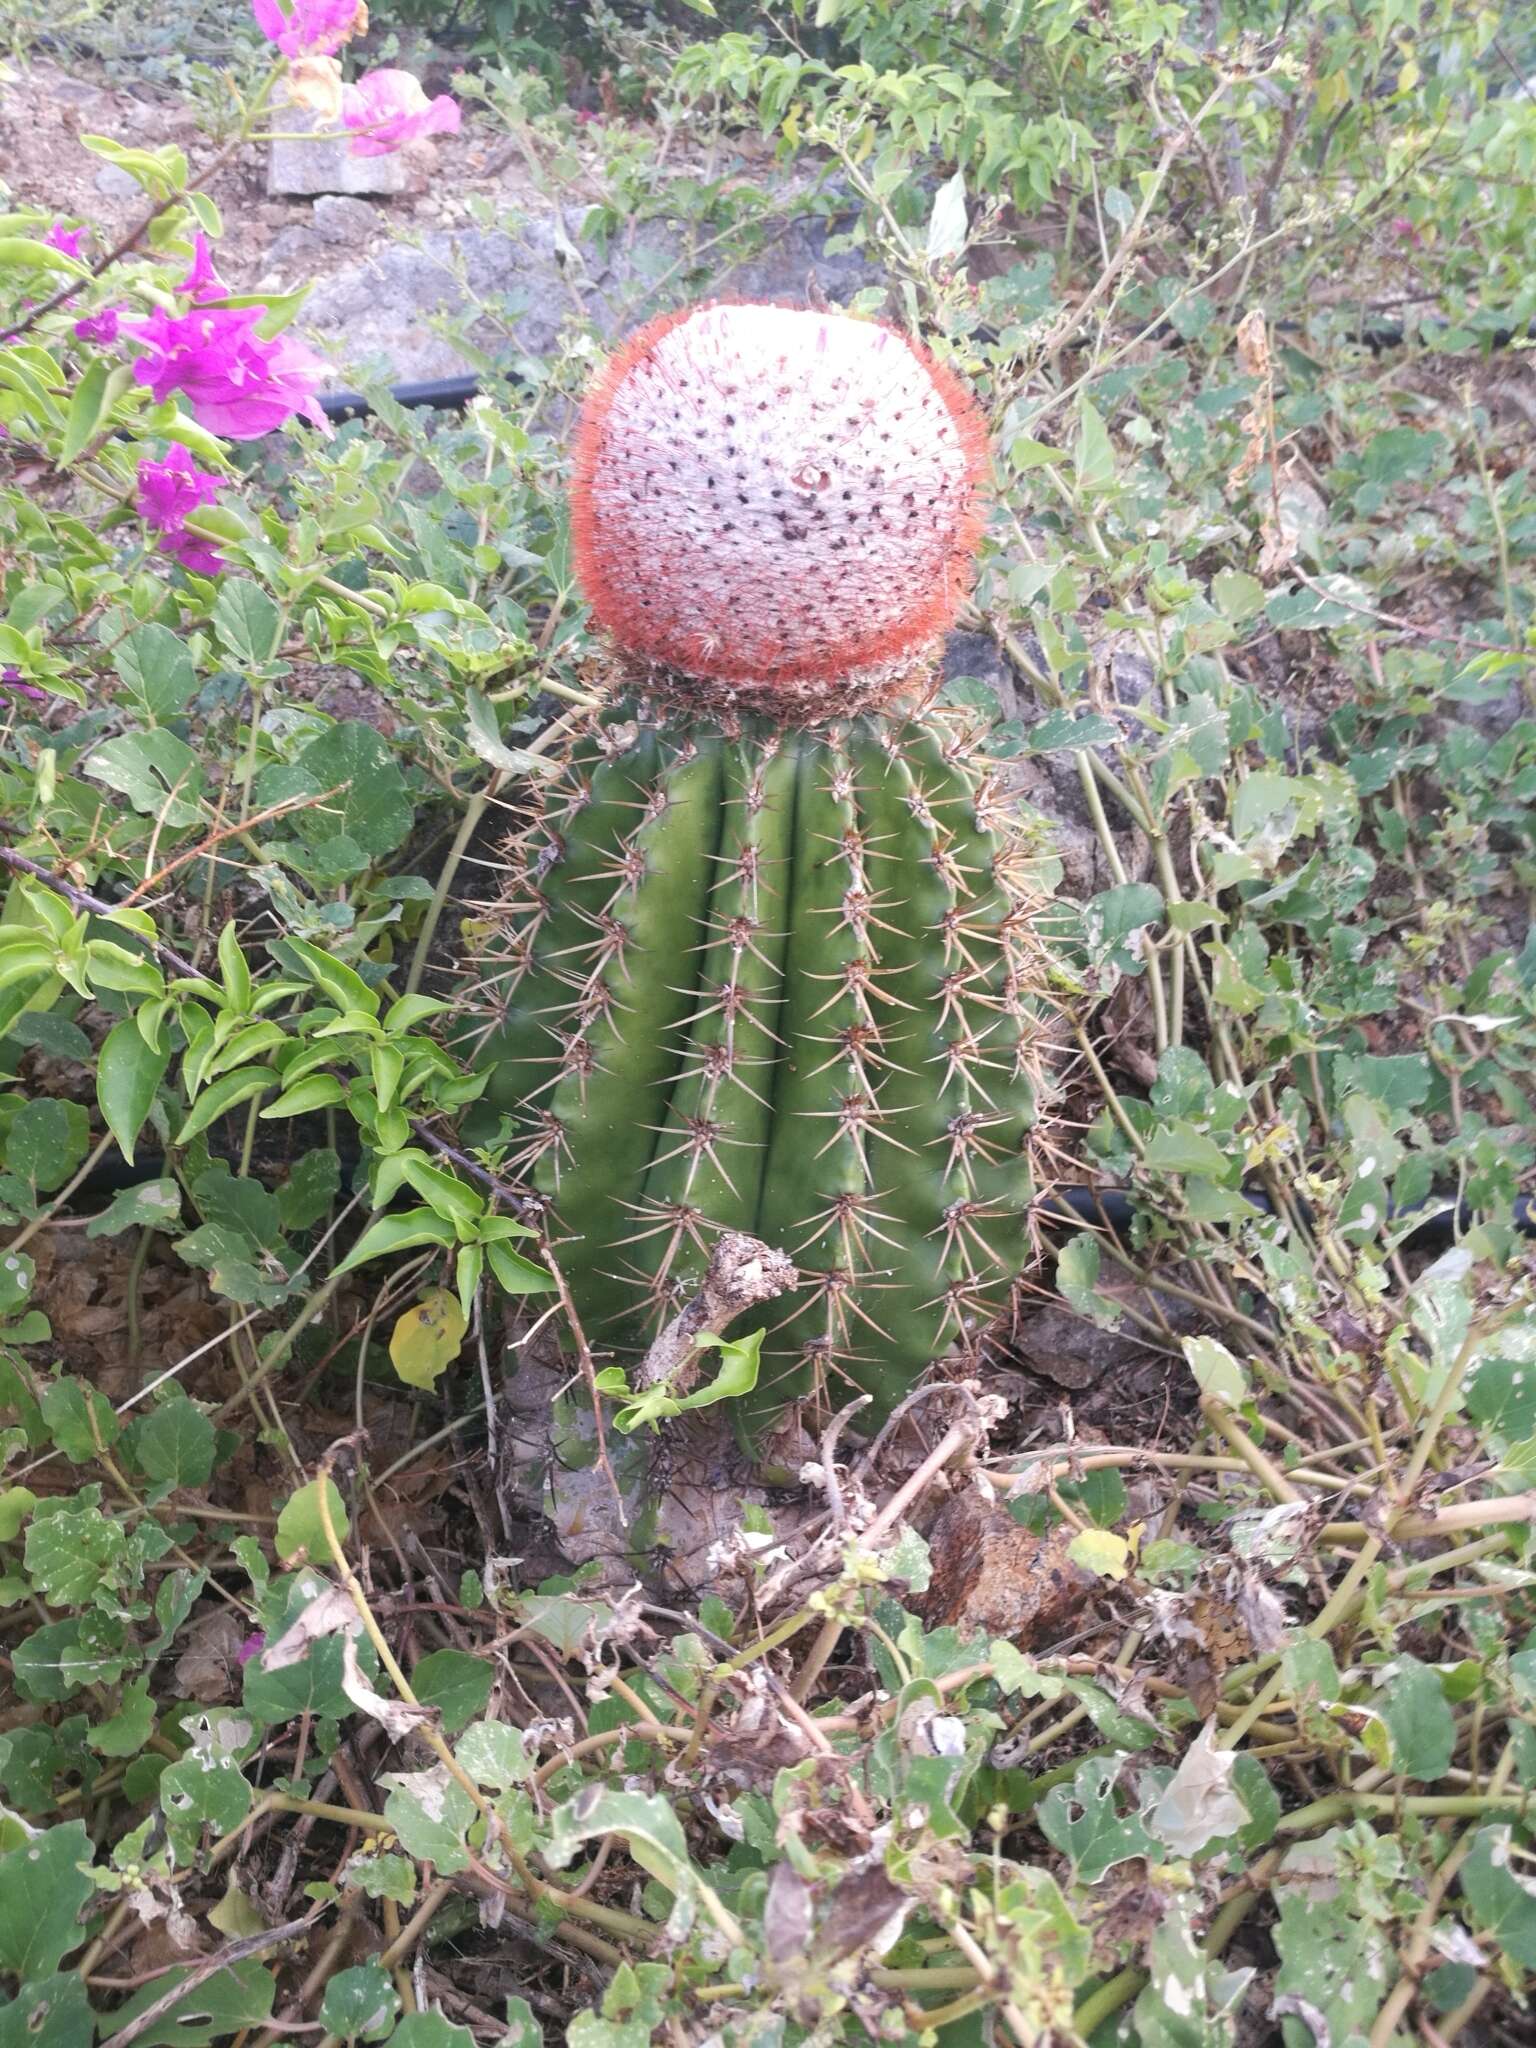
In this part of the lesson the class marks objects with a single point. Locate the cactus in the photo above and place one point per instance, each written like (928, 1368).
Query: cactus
(764, 957)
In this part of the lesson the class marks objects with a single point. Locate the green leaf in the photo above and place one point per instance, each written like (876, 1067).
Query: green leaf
(1175, 1148)
(153, 1205)
(1068, 728)
(309, 1190)
(53, 1663)
(174, 1444)
(1095, 451)
(1237, 595)
(247, 622)
(198, 1793)
(227, 2003)
(315, 1091)
(300, 1531)
(343, 984)
(73, 1549)
(16, 1503)
(360, 2004)
(42, 1889)
(155, 665)
(495, 1755)
(79, 1419)
(1412, 1702)
(522, 2029)
(1112, 917)
(430, 2029)
(53, 1035)
(1189, 2001)
(515, 1274)
(49, 2012)
(17, 254)
(427, 1338)
(126, 1079)
(650, 1828)
(46, 1142)
(430, 1814)
(382, 1876)
(17, 1273)
(454, 1682)
(737, 1375)
(1018, 1673)
(1217, 1373)
(1087, 1821)
(157, 772)
(1077, 1277)
(223, 1095)
(126, 1732)
(1501, 1893)
(398, 1234)
(94, 397)
(371, 805)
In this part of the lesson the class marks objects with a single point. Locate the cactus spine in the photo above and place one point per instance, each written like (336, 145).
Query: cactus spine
(764, 958)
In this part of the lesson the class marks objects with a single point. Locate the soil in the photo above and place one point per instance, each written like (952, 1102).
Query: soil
(45, 110)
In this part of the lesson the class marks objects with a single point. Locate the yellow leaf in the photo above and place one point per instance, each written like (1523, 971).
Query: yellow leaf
(236, 1915)
(426, 1340)
(1101, 1552)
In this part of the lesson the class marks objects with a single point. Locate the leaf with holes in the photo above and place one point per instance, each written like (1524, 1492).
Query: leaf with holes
(228, 2003)
(1085, 1821)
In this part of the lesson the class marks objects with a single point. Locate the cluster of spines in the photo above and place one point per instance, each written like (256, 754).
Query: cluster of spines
(782, 983)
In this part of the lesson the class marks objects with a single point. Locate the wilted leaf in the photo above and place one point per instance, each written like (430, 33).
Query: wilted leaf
(427, 1338)
(1200, 1804)
(398, 1718)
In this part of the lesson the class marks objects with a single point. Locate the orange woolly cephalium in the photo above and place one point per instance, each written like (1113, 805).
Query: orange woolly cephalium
(764, 959)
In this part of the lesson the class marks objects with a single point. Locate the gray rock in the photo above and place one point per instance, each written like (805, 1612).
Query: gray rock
(294, 250)
(379, 311)
(298, 167)
(116, 183)
(339, 219)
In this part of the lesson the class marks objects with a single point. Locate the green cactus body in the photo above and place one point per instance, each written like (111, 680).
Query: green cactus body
(775, 981)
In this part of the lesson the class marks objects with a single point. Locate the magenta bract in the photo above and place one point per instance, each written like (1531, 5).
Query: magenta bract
(388, 108)
(306, 27)
(236, 383)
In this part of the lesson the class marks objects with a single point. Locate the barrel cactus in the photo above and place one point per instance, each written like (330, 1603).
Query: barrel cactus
(764, 960)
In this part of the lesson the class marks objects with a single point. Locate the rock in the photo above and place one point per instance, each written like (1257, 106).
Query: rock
(339, 219)
(301, 166)
(294, 250)
(116, 183)
(994, 1577)
(379, 311)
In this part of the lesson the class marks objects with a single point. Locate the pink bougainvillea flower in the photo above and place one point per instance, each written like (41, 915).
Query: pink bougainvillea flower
(387, 108)
(306, 27)
(168, 492)
(65, 240)
(100, 326)
(202, 281)
(12, 684)
(236, 383)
